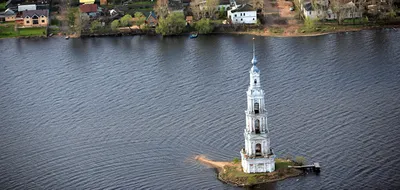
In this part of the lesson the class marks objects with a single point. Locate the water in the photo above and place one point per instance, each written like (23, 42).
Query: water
(131, 112)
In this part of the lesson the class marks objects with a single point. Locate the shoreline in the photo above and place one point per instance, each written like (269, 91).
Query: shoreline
(256, 33)
(226, 170)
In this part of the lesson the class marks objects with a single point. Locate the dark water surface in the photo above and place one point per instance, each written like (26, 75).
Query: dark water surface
(131, 112)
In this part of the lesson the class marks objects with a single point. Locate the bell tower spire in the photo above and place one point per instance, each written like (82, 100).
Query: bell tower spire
(257, 156)
(254, 60)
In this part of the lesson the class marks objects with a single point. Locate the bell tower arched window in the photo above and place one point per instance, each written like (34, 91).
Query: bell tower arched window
(257, 126)
(256, 107)
(258, 149)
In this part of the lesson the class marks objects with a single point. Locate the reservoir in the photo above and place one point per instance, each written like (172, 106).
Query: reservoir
(131, 112)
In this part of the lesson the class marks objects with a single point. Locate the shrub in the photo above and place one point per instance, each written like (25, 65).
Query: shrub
(236, 160)
(300, 160)
(204, 26)
(251, 180)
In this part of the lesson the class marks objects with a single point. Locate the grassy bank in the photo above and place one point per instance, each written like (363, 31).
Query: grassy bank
(8, 31)
(234, 174)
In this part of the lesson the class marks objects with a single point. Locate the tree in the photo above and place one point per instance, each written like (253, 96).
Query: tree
(85, 21)
(95, 26)
(211, 8)
(161, 8)
(319, 7)
(300, 160)
(204, 26)
(257, 4)
(195, 7)
(309, 24)
(71, 16)
(114, 25)
(140, 18)
(297, 4)
(337, 9)
(173, 24)
(126, 20)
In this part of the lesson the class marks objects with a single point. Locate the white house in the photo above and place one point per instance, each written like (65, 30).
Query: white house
(243, 14)
(257, 156)
(347, 11)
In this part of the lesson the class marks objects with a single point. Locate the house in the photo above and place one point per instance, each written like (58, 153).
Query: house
(189, 20)
(151, 20)
(35, 18)
(90, 9)
(321, 12)
(243, 14)
(348, 10)
(7, 16)
(26, 7)
(103, 2)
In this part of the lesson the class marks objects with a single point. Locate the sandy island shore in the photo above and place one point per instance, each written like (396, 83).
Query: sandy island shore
(215, 164)
(231, 173)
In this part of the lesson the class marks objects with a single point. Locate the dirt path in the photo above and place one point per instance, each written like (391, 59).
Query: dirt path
(215, 164)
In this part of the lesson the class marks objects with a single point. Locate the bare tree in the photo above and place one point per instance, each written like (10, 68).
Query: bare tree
(211, 7)
(257, 4)
(161, 8)
(336, 6)
(319, 7)
(196, 11)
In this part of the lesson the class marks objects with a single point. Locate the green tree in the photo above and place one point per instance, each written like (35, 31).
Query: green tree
(114, 25)
(300, 160)
(126, 20)
(309, 24)
(204, 26)
(95, 26)
(71, 16)
(140, 18)
(236, 160)
(174, 24)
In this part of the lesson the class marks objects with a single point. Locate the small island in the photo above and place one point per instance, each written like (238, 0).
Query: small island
(232, 172)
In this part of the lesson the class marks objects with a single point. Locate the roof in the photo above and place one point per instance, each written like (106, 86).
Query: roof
(189, 18)
(255, 69)
(8, 12)
(88, 8)
(26, 7)
(86, 1)
(243, 8)
(35, 12)
(224, 2)
(151, 14)
(308, 6)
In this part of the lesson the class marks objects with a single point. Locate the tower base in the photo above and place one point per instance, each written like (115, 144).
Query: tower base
(258, 164)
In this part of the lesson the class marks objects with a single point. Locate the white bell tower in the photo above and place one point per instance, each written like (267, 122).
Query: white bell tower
(257, 156)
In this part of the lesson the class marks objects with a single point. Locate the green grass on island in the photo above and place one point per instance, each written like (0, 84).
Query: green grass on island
(7, 30)
(234, 174)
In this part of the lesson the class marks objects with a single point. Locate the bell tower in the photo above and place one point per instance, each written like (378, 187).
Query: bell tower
(257, 156)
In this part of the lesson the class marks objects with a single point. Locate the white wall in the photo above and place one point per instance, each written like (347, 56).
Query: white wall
(247, 17)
